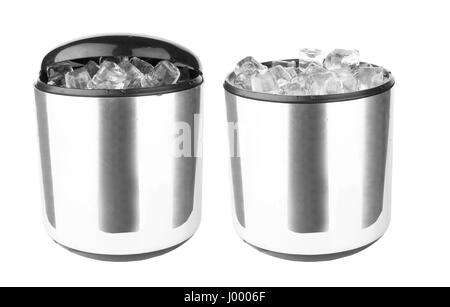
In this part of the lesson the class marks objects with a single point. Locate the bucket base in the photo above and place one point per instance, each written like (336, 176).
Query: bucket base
(311, 258)
(122, 258)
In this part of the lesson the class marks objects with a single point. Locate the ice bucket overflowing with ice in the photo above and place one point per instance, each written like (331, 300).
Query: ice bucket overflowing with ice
(119, 120)
(314, 73)
(311, 153)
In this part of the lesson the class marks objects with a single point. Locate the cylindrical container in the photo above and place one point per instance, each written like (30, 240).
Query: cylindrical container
(311, 174)
(121, 168)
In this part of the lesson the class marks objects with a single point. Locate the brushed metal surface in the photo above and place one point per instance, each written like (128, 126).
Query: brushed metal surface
(236, 171)
(311, 178)
(121, 175)
(118, 173)
(308, 180)
(46, 164)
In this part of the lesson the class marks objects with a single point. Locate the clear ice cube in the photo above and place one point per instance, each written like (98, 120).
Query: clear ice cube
(243, 81)
(109, 76)
(281, 75)
(314, 68)
(166, 73)
(134, 75)
(342, 59)
(297, 86)
(292, 71)
(148, 81)
(131, 70)
(295, 89)
(105, 85)
(324, 83)
(301, 79)
(143, 66)
(369, 77)
(264, 81)
(248, 66)
(349, 82)
(78, 78)
(92, 68)
(56, 73)
(309, 57)
(134, 83)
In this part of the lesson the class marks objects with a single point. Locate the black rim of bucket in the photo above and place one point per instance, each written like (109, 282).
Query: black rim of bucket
(307, 99)
(144, 47)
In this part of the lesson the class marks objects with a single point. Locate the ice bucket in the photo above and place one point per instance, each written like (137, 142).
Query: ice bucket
(121, 169)
(311, 174)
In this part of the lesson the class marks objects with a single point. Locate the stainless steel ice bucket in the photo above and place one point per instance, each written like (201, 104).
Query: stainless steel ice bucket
(311, 174)
(121, 168)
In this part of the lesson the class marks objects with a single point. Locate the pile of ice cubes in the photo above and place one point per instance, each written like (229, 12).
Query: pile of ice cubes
(316, 73)
(112, 73)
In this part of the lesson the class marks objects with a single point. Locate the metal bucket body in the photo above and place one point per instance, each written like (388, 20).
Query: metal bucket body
(121, 175)
(311, 178)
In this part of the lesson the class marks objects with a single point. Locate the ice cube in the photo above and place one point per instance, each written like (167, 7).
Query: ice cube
(284, 63)
(369, 77)
(245, 69)
(131, 70)
(134, 75)
(143, 66)
(297, 86)
(310, 56)
(341, 58)
(56, 73)
(281, 75)
(349, 82)
(92, 68)
(293, 71)
(166, 73)
(314, 68)
(134, 83)
(105, 85)
(109, 76)
(248, 66)
(78, 78)
(294, 88)
(301, 79)
(149, 81)
(324, 83)
(243, 81)
(264, 81)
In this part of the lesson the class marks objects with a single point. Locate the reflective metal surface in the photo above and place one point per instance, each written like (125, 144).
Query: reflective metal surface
(121, 176)
(311, 179)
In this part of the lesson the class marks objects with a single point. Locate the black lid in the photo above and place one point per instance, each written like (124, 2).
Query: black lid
(307, 99)
(122, 45)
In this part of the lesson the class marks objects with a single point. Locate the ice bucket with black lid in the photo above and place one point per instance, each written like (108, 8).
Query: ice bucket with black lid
(121, 168)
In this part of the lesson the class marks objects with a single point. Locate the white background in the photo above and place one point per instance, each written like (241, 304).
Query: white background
(408, 37)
